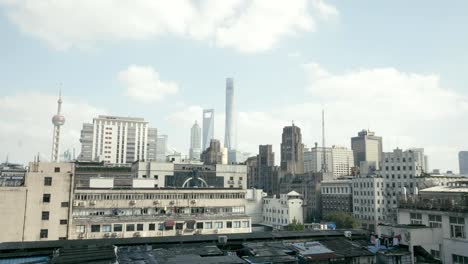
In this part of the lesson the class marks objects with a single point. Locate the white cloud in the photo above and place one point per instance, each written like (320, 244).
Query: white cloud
(26, 124)
(406, 109)
(143, 83)
(244, 25)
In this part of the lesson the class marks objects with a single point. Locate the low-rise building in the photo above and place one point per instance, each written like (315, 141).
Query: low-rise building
(444, 208)
(281, 211)
(337, 196)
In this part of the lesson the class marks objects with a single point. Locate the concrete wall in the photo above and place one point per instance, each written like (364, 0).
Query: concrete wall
(12, 208)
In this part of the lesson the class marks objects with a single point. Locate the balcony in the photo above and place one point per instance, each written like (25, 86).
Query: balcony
(435, 204)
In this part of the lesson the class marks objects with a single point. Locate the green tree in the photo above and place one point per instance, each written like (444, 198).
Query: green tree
(342, 220)
(295, 226)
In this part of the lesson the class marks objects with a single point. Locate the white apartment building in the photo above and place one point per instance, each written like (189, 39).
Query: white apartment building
(339, 160)
(368, 200)
(444, 210)
(281, 211)
(50, 207)
(118, 140)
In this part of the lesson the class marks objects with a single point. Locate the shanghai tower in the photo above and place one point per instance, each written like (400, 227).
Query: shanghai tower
(230, 126)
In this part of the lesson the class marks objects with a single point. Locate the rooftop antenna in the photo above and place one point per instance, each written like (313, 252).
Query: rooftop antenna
(324, 155)
(6, 161)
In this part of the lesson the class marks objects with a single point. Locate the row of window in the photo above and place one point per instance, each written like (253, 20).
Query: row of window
(335, 190)
(275, 220)
(457, 224)
(161, 226)
(398, 168)
(398, 159)
(157, 196)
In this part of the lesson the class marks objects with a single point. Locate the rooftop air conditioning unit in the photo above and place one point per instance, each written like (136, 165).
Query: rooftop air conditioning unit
(92, 203)
(75, 203)
(193, 202)
(156, 202)
(114, 235)
(347, 234)
(136, 234)
(106, 234)
(82, 204)
(81, 235)
(222, 239)
(132, 202)
(171, 202)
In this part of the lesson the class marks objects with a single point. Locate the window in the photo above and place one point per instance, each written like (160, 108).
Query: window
(106, 228)
(179, 226)
(219, 224)
(95, 228)
(435, 253)
(47, 181)
(63, 221)
(208, 225)
(416, 218)
(139, 227)
(45, 215)
(152, 227)
(57, 169)
(44, 233)
(117, 227)
(237, 224)
(457, 227)
(64, 204)
(200, 225)
(80, 229)
(46, 198)
(130, 227)
(435, 221)
(228, 224)
(161, 227)
(457, 259)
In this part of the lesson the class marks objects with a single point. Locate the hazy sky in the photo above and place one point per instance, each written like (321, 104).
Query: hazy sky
(399, 68)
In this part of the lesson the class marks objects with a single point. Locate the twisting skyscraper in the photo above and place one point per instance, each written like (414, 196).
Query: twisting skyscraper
(230, 125)
(58, 120)
(208, 127)
(195, 142)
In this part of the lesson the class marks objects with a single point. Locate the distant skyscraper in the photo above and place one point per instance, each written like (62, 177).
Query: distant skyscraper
(161, 148)
(195, 142)
(463, 162)
(208, 127)
(118, 140)
(292, 150)
(58, 120)
(340, 160)
(152, 144)
(367, 147)
(213, 154)
(230, 139)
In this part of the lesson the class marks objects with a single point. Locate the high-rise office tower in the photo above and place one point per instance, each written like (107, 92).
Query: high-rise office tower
(267, 173)
(118, 140)
(152, 143)
(463, 162)
(213, 154)
(58, 120)
(195, 142)
(340, 160)
(208, 127)
(230, 139)
(161, 148)
(367, 147)
(292, 150)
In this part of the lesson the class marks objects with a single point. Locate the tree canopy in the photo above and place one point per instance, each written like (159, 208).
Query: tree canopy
(342, 220)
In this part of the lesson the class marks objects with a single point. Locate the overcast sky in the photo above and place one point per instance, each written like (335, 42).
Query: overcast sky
(399, 68)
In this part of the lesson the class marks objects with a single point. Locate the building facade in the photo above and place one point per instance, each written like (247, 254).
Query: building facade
(463, 162)
(445, 210)
(337, 196)
(208, 127)
(214, 153)
(117, 140)
(367, 147)
(339, 160)
(292, 150)
(195, 142)
(281, 211)
(161, 148)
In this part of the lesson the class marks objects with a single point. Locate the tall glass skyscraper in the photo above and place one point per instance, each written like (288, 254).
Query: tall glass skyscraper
(208, 127)
(230, 126)
(195, 142)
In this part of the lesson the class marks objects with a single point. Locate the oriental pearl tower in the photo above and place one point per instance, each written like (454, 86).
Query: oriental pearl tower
(58, 120)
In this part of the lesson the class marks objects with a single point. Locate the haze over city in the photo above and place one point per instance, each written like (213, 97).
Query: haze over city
(388, 69)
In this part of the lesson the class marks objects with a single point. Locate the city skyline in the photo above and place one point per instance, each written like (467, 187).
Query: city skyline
(411, 96)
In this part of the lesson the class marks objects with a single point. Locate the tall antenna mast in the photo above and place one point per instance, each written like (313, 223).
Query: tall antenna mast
(324, 154)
